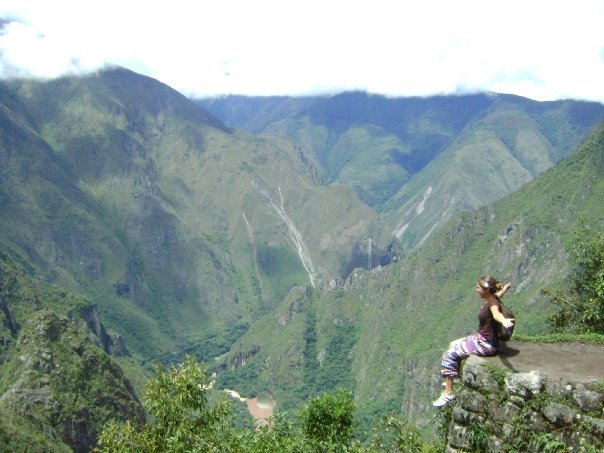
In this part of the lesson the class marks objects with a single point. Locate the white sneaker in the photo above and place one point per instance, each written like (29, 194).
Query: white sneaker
(443, 400)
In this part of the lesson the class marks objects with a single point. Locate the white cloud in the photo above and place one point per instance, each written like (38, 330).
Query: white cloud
(539, 49)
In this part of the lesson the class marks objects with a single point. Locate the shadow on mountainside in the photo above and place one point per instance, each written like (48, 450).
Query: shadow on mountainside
(568, 361)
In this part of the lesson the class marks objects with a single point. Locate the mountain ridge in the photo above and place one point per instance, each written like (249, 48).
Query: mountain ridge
(383, 148)
(145, 200)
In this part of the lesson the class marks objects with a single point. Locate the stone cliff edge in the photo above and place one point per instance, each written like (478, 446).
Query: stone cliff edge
(531, 397)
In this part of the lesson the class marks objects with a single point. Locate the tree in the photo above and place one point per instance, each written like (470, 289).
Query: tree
(581, 308)
(328, 420)
(277, 435)
(182, 418)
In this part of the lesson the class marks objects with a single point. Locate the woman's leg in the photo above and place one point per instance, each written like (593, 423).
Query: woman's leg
(447, 395)
(462, 349)
(449, 369)
(448, 386)
(451, 360)
(459, 350)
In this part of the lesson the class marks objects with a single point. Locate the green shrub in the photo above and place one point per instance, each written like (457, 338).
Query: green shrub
(329, 419)
(581, 308)
(394, 434)
(181, 416)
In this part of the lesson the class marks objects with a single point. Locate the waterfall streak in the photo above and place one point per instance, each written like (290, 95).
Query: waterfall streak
(294, 234)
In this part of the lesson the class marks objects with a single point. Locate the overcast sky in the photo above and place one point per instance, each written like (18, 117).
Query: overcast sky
(543, 50)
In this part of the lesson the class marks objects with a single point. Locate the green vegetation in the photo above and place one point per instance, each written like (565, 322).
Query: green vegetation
(182, 417)
(479, 438)
(593, 338)
(497, 373)
(58, 386)
(186, 415)
(328, 420)
(333, 370)
(396, 321)
(550, 440)
(118, 188)
(528, 420)
(244, 379)
(207, 349)
(21, 435)
(310, 354)
(581, 309)
(471, 150)
(283, 268)
(394, 434)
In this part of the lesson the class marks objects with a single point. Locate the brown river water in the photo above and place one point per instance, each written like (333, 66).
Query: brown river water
(260, 407)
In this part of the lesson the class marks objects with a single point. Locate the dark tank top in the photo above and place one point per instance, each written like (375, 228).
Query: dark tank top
(486, 323)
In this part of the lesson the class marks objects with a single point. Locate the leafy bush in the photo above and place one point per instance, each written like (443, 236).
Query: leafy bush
(329, 419)
(275, 435)
(394, 434)
(581, 309)
(183, 417)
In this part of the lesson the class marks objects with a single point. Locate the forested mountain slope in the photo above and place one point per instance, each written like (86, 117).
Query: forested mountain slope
(116, 186)
(383, 332)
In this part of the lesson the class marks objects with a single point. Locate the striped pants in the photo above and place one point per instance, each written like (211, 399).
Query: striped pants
(461, 349)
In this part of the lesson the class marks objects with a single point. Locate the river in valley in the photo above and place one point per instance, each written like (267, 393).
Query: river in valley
(260, 407)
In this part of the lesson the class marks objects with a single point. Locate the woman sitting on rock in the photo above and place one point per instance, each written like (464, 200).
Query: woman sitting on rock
(483, 342)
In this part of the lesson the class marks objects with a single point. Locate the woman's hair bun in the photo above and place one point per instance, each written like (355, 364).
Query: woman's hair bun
(490, 283)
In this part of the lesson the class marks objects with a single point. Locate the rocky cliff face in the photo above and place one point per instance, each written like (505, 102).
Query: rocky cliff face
(514, 403)
(111, 342)
(58, 385)
(63, 385)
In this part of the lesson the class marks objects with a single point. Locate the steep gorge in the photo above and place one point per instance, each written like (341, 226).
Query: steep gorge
(400, 317)
(117, 187)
